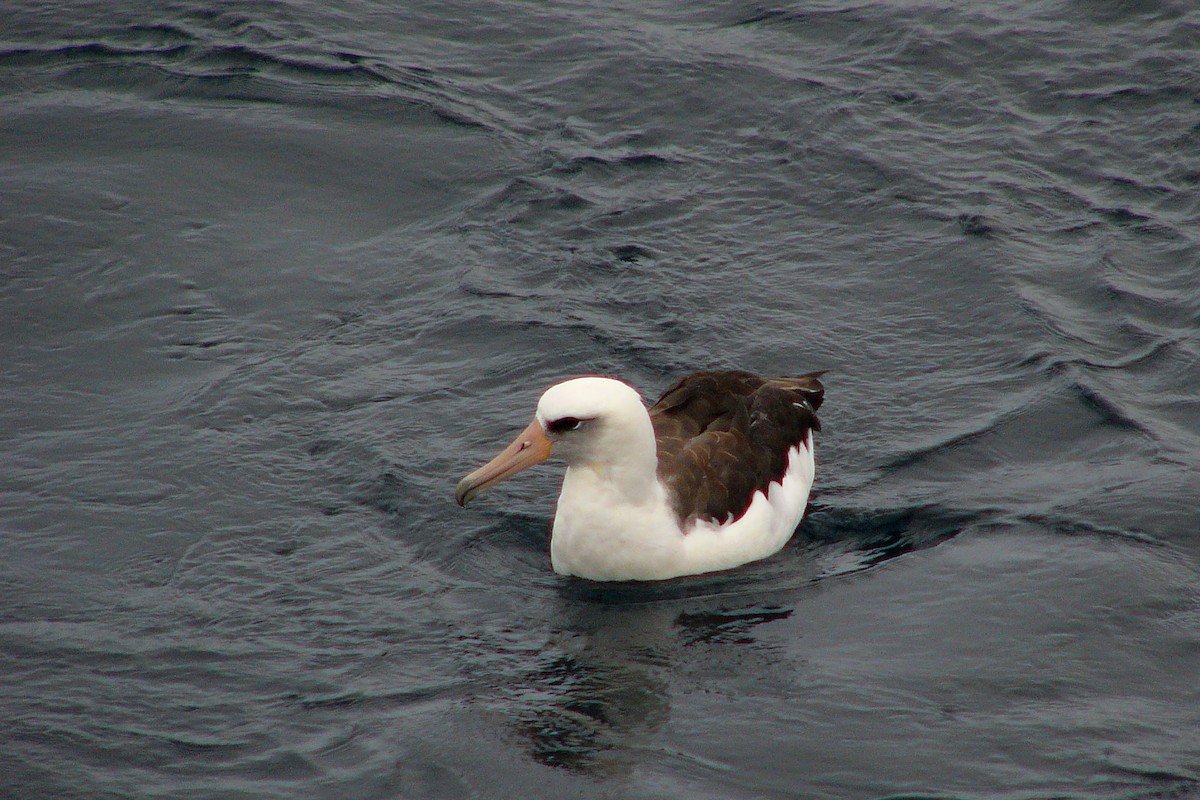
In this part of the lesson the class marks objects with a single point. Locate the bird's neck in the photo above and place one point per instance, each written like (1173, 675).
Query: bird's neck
(626, 462)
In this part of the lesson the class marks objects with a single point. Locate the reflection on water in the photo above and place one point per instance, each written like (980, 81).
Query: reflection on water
(602, 689)
(599, 698)
(590, 707)
(726, 626)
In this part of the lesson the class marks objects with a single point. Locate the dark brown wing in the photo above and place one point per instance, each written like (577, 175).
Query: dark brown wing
(724, 435)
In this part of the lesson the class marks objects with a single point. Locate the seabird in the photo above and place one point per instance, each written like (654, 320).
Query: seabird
(715, 474)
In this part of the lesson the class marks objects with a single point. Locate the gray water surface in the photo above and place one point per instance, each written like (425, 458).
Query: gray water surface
(273, 276)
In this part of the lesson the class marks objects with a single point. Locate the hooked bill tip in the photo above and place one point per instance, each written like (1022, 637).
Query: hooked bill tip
(463, 492)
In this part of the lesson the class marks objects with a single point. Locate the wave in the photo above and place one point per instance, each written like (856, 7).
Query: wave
(170, 62)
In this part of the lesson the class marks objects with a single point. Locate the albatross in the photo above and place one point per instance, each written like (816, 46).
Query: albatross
(713, 475)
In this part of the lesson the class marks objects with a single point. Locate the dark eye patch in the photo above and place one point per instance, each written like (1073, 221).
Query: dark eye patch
(564, 424)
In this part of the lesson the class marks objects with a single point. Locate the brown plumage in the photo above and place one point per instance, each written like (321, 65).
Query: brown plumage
(723, 435)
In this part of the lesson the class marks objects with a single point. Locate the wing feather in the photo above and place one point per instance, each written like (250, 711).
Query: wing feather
(724, 435)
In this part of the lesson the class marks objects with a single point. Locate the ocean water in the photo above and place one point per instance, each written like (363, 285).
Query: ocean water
(274, 275)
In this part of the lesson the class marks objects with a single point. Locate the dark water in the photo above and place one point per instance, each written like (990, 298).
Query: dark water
(274, 275)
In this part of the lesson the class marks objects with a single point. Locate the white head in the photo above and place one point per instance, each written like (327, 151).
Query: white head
(593, 422)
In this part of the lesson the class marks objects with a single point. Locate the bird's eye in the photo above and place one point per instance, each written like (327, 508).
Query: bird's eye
(564, 424)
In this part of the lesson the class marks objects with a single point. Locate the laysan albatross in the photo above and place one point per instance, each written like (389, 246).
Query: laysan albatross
(715, 474)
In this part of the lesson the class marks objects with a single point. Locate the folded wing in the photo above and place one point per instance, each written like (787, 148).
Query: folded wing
(722, 436)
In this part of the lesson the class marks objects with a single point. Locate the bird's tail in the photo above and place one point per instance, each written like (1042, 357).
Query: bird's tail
(808, 385)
